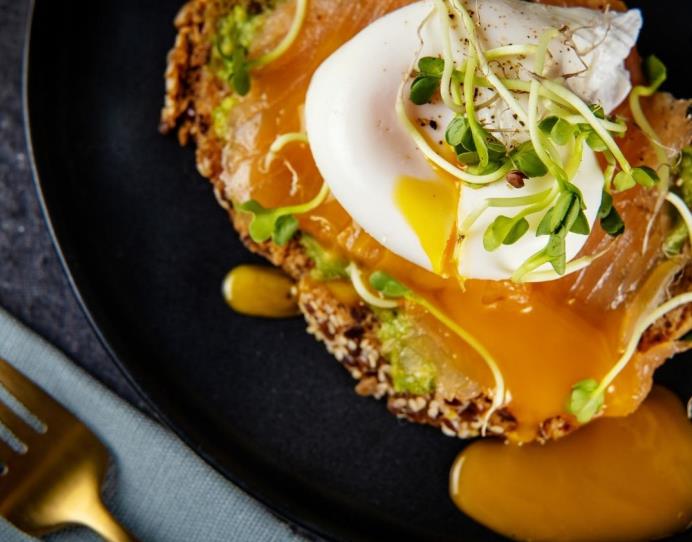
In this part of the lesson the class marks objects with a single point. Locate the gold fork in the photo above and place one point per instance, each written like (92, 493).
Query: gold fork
(54, 479)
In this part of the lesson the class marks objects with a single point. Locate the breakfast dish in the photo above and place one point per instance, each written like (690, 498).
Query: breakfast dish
(481, 324)
(483, 208)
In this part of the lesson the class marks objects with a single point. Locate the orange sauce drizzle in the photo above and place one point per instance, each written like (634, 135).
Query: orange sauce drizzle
(617, 479)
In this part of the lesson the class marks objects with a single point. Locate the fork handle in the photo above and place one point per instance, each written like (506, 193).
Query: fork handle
(99, 519)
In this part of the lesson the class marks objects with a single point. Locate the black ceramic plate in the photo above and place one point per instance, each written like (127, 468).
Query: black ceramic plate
(147, 247)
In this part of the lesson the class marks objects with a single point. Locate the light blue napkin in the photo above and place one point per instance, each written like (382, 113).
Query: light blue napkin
(163, 492)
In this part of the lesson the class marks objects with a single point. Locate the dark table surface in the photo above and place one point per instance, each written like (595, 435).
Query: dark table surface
(33, 286)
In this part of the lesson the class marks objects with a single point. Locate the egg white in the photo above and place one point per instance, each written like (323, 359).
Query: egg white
(361, 150)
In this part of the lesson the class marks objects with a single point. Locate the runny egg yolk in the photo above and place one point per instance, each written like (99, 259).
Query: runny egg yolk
(622, 479)
(429, 207)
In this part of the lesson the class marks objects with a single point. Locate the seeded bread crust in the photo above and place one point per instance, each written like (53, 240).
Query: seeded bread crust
(349, 333)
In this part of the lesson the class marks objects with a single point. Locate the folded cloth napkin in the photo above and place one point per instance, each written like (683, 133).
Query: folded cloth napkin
(163, 491)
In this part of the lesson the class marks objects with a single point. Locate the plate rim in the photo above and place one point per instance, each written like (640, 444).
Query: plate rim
(299, 516)
(303, 519)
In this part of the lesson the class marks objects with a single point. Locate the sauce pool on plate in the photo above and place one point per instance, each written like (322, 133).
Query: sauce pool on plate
(257, 290)
(616, 479)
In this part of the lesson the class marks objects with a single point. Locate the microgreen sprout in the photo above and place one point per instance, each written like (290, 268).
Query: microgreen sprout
(478, 134)
(493, 79)
(567, 213)
(448, 61)
(474, 145)
(429, 74)
(233, 39)
(288, 39)
(573, 266)
(366, 294)
(275, 223)
(506, 231)
(388, 285)
(427, 82)
(559, 125)
(565, 216)
(583, 402)
(610, 219)
(280, 142)
(626, 176)
(499, 395)
(525, 159)
(656, 73)
(541, 198)
(279, 224)
(537, 137)
(559, 130)
(434, 157)
(677, 202)
(586, 399)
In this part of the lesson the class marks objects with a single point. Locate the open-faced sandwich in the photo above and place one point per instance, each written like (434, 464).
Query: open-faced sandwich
(485, 204)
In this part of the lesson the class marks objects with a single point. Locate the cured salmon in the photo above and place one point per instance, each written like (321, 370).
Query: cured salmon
(545, 337)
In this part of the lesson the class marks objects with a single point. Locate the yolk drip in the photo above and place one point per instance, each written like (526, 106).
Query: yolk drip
(618, 479)
(430, 208)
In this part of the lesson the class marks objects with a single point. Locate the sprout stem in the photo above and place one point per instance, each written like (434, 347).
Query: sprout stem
(469, 91)
(572, 267)
(576, 102)
(575, 156)
(608, 172)
(519, 201)
(607, 124)
(289, 38)
(684, 211)
(493, 79)
(280, 142)
(308, 205)
(481, 350)
(643, 123)
(629, 351)
(447, 72)
(535, 134)
(438, 160)
(363, 291)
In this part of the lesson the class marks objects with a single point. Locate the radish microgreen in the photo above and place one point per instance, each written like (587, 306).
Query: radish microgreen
(384, 283)
(610, 219)
(559, 125)
(387, 285)
(234, 36)
(587, 396)
(274, 223)
(656, 73)
(582, 402)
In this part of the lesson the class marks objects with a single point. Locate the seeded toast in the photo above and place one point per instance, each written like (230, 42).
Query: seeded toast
(351, 333)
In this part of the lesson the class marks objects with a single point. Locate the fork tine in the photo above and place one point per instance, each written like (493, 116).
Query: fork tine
(15, 424)
(5, 455)
(31, 396)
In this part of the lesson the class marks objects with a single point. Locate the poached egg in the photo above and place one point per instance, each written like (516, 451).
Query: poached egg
(377, 173)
